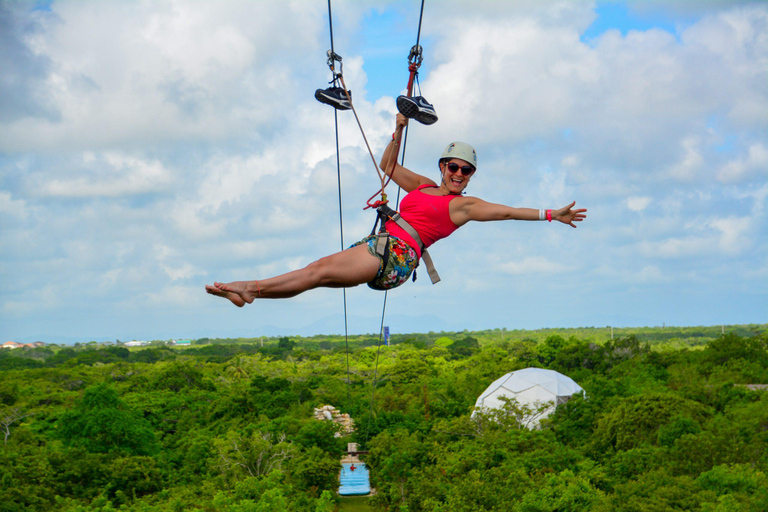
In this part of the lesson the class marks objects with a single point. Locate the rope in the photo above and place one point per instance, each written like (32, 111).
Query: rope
(382, 176)
(341, 216)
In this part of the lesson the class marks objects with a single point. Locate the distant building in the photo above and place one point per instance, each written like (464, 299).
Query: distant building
(182, 342)
(135, 343)
(13, 344)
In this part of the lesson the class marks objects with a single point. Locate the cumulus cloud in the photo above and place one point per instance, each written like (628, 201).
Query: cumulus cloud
(735, 234)
(729, 236)
(143, 74)
(753, 164)
(24, 68)
(638, 204)
(165, 143)
(111, 175)
(12, 207)
(533, 265)
(691, 161)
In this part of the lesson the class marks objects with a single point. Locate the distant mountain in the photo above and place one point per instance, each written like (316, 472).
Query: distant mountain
(331, 324)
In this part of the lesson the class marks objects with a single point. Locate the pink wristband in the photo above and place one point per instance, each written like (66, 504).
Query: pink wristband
(549, 215)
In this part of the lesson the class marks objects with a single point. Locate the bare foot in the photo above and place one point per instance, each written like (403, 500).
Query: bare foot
(238, 292)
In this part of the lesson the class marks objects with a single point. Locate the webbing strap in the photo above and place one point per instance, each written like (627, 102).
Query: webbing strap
(430, 267)
(381, 244)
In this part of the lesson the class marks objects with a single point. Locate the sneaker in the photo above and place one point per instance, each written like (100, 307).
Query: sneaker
(416, 108)
(335, 97)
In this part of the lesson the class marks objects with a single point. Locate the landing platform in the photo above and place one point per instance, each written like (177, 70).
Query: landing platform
(354, 482)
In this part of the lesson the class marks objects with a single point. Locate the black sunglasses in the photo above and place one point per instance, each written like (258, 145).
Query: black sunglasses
(466, 170)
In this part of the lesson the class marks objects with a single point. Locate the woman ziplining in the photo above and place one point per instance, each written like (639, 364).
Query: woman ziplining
(433, 210)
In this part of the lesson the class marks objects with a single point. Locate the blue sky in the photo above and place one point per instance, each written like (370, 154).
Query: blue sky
(147, 149)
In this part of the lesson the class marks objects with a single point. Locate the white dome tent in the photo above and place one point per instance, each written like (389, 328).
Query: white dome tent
(533, 388)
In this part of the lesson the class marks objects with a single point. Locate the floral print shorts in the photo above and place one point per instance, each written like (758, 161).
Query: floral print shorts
(398, 267)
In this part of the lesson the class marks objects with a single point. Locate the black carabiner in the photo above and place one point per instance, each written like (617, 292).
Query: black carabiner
(415, 58)
(334, 57)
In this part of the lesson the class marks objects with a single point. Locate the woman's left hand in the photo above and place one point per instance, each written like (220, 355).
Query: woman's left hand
(567, 215)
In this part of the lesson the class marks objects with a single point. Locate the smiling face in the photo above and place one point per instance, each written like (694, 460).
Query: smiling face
(456, 175)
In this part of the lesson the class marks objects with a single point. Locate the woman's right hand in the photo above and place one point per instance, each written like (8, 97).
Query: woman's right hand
(400, 121)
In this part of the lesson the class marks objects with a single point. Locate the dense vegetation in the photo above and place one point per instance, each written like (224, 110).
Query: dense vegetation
(226, 425)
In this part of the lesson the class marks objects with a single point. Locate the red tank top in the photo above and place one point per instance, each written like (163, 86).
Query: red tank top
(429, 215)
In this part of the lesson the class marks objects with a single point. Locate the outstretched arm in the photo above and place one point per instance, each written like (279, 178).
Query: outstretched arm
(405, 178)
(465, 209)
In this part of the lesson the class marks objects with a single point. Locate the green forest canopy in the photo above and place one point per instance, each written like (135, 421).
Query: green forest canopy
(226, 425)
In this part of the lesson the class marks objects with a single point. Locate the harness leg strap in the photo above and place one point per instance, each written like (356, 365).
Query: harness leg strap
(381, 243)
(430, 267)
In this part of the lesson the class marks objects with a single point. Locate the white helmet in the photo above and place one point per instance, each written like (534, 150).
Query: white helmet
(462, 151)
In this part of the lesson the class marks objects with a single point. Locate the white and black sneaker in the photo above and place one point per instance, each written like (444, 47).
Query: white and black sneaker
(417, 108)
(335, 97)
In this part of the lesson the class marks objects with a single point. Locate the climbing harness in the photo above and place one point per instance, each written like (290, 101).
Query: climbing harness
(382, 239)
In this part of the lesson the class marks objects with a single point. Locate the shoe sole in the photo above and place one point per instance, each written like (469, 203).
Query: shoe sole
(412, 111)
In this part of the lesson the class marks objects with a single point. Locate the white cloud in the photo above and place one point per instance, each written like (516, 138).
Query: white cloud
(174, 264)
(729, 236)
(144, 74)
(533, 265)
(12, 207)
(649, 274)
(176, 297)
(111, 175)
(638, 204)
(677, 247)
(155, 144)
(691, 162)
(736, 234)
(754, 164)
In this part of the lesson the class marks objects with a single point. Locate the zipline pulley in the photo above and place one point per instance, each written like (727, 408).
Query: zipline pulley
(416, 57)
(333, 57)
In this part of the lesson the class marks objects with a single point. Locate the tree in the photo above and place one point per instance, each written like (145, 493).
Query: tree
(179, 375)
(562, 491)
(325, 502)
(314, 470)
(285, 344)
(254, 455)
(465, 347)
(255, 494)
(8, 417)
(102, 423)
(394, 457)
(636, 420)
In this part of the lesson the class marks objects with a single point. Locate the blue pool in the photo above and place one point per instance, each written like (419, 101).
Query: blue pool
(354, 482)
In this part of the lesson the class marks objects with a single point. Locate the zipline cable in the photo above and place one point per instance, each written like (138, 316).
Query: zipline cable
(341, 217)
(415, 61)
(341, 236)
(421, 16)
